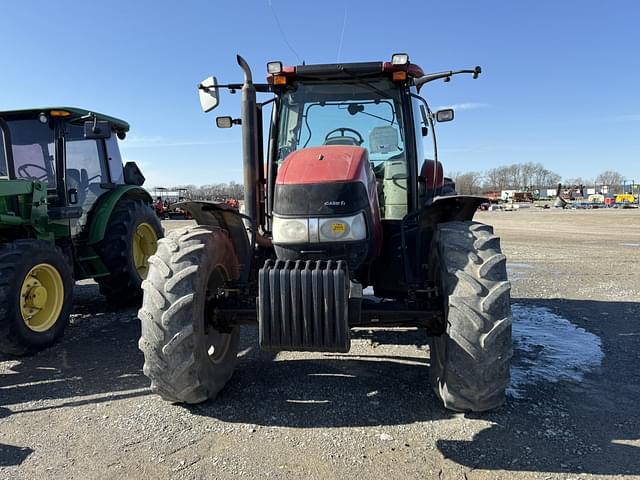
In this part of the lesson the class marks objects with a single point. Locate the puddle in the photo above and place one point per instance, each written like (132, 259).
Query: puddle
(518, 265)
(630, 244)
(549, 348)
(516, 271)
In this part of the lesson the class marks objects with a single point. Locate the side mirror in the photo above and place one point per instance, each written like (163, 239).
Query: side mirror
(227, 122)
(208, 91)
(445, 115)
(94, 130)
(224, 122)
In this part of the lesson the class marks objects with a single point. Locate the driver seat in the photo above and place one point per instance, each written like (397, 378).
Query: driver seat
(391, 174)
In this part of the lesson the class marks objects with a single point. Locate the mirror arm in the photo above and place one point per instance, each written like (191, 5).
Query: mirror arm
(430, 77)
(260, 87)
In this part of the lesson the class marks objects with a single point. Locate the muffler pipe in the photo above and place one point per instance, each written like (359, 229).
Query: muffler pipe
(249, 143)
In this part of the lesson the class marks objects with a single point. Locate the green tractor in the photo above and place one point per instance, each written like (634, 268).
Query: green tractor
(69, 210)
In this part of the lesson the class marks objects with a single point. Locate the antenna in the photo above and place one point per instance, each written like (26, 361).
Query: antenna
(284, 37)
(344, 24)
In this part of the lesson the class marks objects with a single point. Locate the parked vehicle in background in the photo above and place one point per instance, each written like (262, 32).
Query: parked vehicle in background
(69, 210)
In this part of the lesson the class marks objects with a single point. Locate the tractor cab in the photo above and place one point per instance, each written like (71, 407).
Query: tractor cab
(375, 110)
(72, 152)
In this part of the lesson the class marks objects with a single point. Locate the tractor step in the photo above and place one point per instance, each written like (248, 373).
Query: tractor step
(304, 306)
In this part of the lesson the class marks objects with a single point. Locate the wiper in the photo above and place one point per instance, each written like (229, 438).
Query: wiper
(365, 82)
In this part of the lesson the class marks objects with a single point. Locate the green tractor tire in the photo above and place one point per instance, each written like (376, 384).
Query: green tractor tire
(36, 288)
(131, 238)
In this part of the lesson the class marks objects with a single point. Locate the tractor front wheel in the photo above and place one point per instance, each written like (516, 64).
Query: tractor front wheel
(187, 358)
(470, 361)
(36, 288)
(131, 238)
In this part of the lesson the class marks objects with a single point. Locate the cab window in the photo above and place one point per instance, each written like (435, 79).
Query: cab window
(85, 171)
(115, 160)
(33, 151)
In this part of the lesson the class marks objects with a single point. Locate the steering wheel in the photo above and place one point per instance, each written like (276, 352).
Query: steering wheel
(358, 141)
(22, 171)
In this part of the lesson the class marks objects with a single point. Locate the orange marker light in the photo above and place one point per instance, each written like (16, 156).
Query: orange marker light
(59, 113)
(397, 76)
(279, 80)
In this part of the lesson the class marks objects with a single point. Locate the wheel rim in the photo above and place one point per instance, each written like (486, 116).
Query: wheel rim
(41, 297)
(145, 243)
(217, 344)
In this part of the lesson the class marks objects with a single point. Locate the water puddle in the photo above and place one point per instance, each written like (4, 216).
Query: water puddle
(549, 348)
(516, 271)
(630, 244)
(518, 266)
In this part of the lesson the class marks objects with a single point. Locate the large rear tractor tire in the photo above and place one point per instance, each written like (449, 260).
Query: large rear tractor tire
(131, 238)
(470, 362)
(36, 290)
(186, 358)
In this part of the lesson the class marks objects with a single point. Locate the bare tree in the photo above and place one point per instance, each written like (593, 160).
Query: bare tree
(610, 178)
(497, 179)
(525, 176)
(468, 183)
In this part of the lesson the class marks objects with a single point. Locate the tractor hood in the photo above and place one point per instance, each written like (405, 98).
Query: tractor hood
(326, 180)
(327, 196)
(325, 164)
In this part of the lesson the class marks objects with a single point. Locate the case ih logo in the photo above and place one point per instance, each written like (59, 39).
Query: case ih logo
(335, 203)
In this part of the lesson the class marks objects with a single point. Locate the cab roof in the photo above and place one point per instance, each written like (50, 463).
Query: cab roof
(74, 112)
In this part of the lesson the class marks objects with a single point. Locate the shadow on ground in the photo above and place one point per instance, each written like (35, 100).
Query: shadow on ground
(97, 358)
(11, 455)
(587, 427)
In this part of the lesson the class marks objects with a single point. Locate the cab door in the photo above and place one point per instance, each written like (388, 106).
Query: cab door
(86, 173)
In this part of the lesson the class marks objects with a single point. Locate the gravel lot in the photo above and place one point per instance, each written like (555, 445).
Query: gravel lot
(83, 409)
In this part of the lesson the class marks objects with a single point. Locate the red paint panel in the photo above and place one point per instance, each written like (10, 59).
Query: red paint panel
(326, 164)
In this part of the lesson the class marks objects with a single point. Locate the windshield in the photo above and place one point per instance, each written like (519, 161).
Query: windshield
(33, 151)
(358, 113)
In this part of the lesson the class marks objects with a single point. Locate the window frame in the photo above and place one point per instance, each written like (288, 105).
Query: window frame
(7, 153)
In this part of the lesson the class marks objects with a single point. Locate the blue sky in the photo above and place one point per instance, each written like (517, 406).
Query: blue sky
(560, 81)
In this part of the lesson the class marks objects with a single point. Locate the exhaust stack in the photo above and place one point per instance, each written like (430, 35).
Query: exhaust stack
(249, 143)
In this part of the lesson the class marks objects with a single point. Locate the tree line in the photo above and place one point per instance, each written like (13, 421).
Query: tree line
(213, 191)
(518, 176)
(527, 176)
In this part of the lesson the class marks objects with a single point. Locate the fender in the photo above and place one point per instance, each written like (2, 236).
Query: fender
(102, 210)
(229, 219)
(416, 231)
(451, 207)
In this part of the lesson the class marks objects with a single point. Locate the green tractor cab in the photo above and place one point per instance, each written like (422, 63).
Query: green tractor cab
(69, 210)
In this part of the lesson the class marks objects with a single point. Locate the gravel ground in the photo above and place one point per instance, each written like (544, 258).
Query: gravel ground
(83, 408)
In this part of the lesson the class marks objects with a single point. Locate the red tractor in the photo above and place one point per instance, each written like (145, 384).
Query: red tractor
(343, 199)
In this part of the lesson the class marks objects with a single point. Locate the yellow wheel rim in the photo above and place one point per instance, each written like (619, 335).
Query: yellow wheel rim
(41, 297)
(145, 243)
